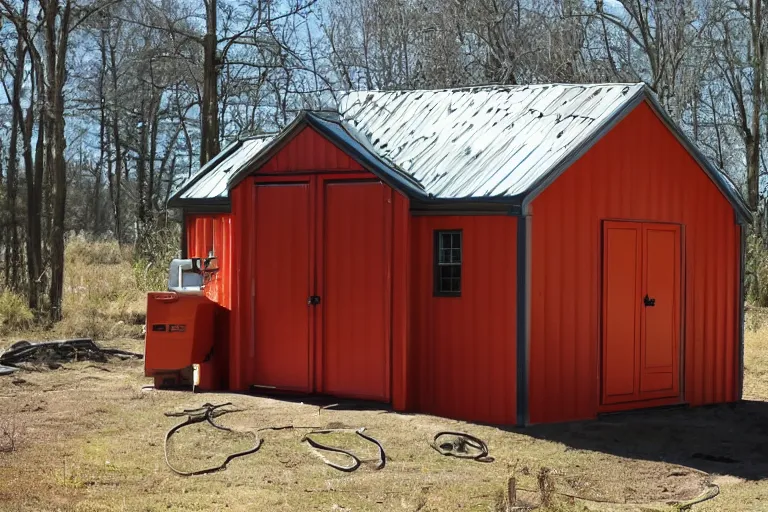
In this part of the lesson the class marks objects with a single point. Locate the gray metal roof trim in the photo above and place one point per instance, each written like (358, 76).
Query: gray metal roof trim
(266, 152)
(341, 137)
(723, 183)
(175, 200)
(721, 180)
(344, 140)
(572, 156)
(203, 205)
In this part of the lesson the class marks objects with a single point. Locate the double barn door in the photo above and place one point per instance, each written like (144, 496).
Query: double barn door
(321, 295)
(641, 312)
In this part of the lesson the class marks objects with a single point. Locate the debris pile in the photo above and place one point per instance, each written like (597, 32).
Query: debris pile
(54, 353)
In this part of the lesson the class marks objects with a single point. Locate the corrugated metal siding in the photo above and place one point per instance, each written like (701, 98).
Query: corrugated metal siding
(465, 346)
(241, 328)
(639, 171)
(313, 158)
(309, 151)
(483, 141)
(213, 232)
(355, 284)
(402, 352)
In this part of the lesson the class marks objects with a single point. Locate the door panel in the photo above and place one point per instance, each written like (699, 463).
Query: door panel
(281, 353)
(659, 357)
(356, 289)
(621, 289)
(641, 312)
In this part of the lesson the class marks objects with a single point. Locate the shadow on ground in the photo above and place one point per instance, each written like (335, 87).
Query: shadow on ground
(729, 439)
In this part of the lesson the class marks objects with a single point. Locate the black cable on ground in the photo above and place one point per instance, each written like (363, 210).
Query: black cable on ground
(458, 448)
(355, 460)
(207, 412)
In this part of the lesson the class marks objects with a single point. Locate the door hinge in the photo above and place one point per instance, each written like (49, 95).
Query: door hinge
(313, 300)
(649, 302)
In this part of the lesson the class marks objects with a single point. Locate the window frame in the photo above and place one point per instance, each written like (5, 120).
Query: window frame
(437, 265)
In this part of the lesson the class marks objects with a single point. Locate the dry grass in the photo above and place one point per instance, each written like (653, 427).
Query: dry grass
(94, 442)
(102, 299)
(756, 355)
(87, 438)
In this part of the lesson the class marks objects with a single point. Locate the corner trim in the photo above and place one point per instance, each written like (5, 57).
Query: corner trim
(742, 263)
(522, 341)
(183, 234)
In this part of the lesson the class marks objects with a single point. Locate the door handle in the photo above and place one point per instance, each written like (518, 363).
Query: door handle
(313, 300)
(649, 302)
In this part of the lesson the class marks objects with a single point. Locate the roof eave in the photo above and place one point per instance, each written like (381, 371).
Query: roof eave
(214, 204)
(643, 94)
(176, 195)
(572, 156)
(743, 214)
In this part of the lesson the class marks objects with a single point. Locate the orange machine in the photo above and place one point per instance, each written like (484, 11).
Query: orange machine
(181, 333)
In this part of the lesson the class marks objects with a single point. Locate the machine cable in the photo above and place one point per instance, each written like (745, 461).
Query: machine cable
(382, 461)
(208, 413)
(458, 446)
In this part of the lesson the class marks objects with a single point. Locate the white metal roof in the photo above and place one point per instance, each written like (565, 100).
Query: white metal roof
(483, 141)
(210, 182)
(490, 143)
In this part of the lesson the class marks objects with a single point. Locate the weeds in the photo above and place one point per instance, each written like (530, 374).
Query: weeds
(12, 434)
(14, 313)
(102, 298)
(153, 256)
(756, 271)
(546, 487)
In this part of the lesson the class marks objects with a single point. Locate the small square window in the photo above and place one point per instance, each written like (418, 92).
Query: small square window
(447, 262)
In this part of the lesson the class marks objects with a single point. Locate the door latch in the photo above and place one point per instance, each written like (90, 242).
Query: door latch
(313, 300)
(649, 302)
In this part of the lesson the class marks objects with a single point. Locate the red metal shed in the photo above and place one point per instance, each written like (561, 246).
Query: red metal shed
(497, 254)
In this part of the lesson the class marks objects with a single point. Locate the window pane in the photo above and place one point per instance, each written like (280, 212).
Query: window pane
(448, 262)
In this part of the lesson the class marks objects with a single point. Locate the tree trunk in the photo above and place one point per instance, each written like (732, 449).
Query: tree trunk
(34, 174)
(209, 143)
(753, 142)
(116, 187)
(102, 132)
(13, 246)
(56, 39)
(141, 176)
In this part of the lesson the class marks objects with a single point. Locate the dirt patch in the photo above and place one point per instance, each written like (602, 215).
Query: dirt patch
(94, 441)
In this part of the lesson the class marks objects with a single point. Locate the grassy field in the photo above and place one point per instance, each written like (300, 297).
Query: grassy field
(87, 437)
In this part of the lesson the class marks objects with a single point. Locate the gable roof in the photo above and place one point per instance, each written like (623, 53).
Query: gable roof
(491, 144)
(208, 186)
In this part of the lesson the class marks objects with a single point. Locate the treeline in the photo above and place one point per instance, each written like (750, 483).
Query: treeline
(107, 105)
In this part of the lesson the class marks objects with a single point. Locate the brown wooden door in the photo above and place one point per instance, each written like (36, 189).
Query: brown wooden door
(641, 312)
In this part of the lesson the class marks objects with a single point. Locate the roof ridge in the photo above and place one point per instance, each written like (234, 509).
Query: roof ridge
(499, 87)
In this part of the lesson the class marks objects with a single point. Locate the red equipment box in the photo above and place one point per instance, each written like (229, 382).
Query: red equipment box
(180, 333)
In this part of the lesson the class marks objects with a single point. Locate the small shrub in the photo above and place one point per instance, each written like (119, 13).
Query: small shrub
(546, 487)
(14, 312)
(12, 434)
(153, 256)
(150, 277)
